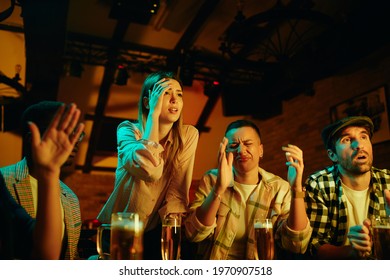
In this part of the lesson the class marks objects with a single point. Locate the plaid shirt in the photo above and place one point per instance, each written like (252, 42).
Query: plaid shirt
(16, 177)
(327, 206)
(270, 199)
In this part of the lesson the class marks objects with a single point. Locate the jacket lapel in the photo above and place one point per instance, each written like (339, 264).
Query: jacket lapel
(22, 187)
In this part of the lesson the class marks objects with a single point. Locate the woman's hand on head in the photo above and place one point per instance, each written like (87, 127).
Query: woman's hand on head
(156, 95)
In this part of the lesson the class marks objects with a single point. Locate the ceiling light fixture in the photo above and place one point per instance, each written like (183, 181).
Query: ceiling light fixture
(137, 11)
(121, 75)
(73, 69)
(212, 88)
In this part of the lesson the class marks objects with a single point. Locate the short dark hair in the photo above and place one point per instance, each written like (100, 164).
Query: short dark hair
(243, 123)
(41, 114)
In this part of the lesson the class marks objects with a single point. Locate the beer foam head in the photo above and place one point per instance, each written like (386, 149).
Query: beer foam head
(263, 224)
(381, 222)
(133, 226)
(171, 223)
(127, 221)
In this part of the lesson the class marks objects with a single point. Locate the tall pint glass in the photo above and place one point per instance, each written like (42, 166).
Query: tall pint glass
(171, 237)
(264, 239)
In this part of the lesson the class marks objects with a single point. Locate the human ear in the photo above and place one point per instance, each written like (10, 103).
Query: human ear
(261, 151)
(332, 155)
(146, 102)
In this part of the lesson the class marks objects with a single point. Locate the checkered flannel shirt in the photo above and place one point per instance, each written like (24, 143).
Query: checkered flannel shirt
(327, 207)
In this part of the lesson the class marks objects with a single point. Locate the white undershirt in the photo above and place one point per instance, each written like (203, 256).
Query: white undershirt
(34, 190)
(238, 249)
(357, 206)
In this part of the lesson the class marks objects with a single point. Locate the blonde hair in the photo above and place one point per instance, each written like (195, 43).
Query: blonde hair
(177, 127)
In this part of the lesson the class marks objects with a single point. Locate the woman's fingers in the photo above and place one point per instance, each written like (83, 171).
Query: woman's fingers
(160, 86)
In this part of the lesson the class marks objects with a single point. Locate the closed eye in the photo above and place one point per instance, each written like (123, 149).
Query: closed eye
(233, 145)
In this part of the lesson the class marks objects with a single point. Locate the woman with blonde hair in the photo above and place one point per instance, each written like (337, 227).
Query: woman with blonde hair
(155, 160)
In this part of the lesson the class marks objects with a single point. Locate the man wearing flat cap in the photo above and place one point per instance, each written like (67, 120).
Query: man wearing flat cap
(342, 199)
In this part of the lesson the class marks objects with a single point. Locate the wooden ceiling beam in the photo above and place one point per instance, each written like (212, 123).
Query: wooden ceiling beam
(45, 31)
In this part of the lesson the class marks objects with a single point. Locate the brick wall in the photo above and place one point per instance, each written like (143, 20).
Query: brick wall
(304, 117)
(92, 190)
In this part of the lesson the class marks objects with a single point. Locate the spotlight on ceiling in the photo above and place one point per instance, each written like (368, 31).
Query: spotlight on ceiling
(212, 88)
(121, 75)
(137, 11)
(73, 69)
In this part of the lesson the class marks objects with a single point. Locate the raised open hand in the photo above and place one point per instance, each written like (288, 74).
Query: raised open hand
(52, 150)
(225, 167)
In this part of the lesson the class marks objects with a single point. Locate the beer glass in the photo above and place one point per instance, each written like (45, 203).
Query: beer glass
(126, 237)
(171, 237)
(381, 237)
(264, 239)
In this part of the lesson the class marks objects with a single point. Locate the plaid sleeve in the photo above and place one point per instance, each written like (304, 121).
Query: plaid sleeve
(195, 231)
(295, 241)
(380, 179)
(317, 201)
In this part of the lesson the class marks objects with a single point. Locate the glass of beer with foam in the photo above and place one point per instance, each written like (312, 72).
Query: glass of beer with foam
(126, 236)
(264, 239)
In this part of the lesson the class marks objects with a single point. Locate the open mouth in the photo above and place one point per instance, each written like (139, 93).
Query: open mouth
(361, 156)
(173, 110)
